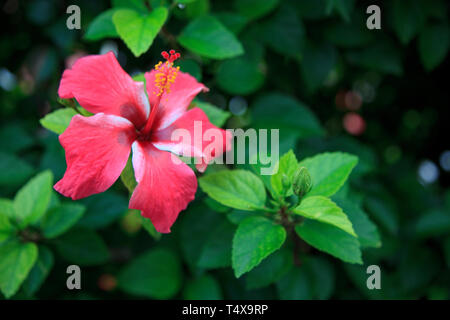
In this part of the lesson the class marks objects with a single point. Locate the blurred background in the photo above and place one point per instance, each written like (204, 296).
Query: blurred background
(380, 94)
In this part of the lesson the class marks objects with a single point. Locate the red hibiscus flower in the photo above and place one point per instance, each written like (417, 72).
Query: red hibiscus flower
(128, 116)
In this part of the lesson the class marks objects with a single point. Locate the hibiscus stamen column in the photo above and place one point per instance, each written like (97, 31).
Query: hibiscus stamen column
(164, 78)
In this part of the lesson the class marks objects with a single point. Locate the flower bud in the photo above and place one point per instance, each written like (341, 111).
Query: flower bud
(286, 182)
(302, 182)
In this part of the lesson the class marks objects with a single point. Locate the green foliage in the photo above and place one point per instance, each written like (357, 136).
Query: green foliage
(207, 37)
(59, 219)
(58, 120)
(287, 166)
(254, 9)
(127, 176)
(32, 200)
(342, 245)
(316, 64)
(407, 19)
(342, 7)
(138, 31)
(102, 27)
(255, 239)
(304, 68)
(82, 246)
(208, 244)
(383, 57)
(237, 189)
(433, 45)
(13, 170)
(284, 32)
(269, 270)
(240, 76)
(290, 116)
(295, 285)
(103, 209)
(329, 171)
(217, 116)
(16, 261)
(154, 274)
(324, 210)
(204, 287)
(366, 230)
(39, 272)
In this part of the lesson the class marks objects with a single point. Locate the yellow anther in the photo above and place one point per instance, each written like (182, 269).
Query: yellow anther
(165, 76)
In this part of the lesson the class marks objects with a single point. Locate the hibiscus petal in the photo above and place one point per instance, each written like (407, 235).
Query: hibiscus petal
(193, 135)
(164, 187)
(176, 102)
(97, 149)
(100, 85)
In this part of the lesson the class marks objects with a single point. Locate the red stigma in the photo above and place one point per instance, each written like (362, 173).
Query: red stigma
(172, 56)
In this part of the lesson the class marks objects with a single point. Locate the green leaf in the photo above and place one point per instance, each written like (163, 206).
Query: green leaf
(127, 176)
(216, 250)
(190, 66)
(255, 239)
(22, 139)
(284, 32)
(59, 219)
(217, 116)
(329, 171)
(236, 216)
(137, 5)
(269, 270)
(207, 244)
(40, 271)
(365, 229)
(295, 285)
(279, 111)
(330, 239)
(138, 31)
(446, 249)
(311, 10)
(317, 63)
(240, 76)
(13, 170)
(102, 27)
(324, 210)
(185, 1)
(383, 213)
(254, 9)
(58, 120)
(215, 206)
(83, 247)
(204, 287)
(192, 9)
(16, 261)
(407, 19)
(149, 227)
(232, 21)
(433, 223)
(103, 209)
(322, 276)
(258, 163)
(207, 37)
(154, 274)
(7, 229)
(7, 208)
(237, 189)
(347, 35)
(383, 56)
(433, 45)
(32, 200)
(287, 165)
(343, 7)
